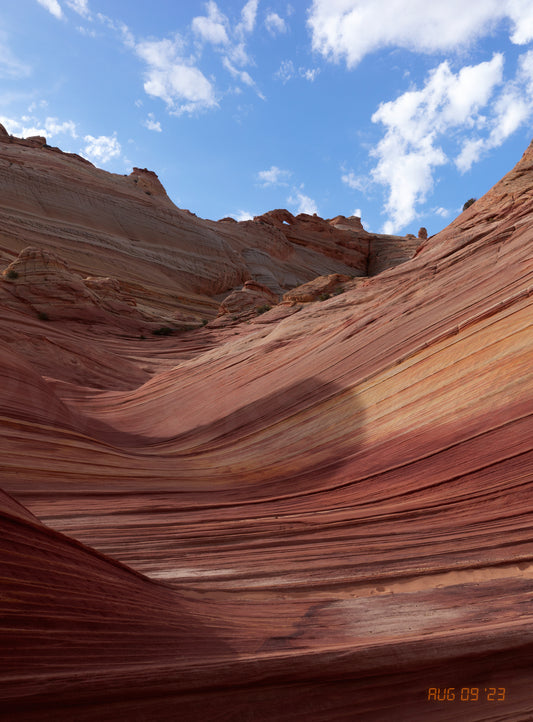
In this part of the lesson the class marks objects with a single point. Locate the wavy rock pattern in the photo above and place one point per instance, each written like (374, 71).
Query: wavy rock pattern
(321, 515)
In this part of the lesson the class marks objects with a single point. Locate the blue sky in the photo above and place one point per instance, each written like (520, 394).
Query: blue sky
(395, 110)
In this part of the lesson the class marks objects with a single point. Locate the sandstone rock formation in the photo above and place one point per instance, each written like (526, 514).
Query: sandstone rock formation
(318, 289)
(252, 296)
(323, 514)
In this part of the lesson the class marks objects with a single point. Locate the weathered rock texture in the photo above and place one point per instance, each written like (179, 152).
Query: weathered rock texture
(316, 516)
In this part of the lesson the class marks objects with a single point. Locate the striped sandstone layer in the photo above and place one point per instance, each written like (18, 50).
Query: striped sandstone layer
(322, 513)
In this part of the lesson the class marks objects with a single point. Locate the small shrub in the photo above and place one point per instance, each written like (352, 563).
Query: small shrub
(469, 202)
(263, 309)
(163, 331)
(324, 297)
(42, 316)
(204, 321)
(12, 274)
(338, 291)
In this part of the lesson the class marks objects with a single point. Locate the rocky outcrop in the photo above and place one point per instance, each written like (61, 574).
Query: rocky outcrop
(252, 296)
(318, 289)
(147, 181)
(37, 141)
(321, 513)
(43, 282)
(171, 261)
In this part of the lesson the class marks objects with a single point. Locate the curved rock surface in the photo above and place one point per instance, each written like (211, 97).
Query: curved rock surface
(322, 515)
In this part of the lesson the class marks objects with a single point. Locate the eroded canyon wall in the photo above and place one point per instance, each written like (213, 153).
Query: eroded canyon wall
(321, 512)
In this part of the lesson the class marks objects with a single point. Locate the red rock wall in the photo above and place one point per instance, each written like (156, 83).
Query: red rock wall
(333, 508)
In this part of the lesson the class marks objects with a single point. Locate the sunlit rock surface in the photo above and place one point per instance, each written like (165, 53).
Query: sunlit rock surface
(319, 514)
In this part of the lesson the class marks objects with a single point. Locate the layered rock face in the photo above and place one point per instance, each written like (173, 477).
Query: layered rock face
(98, 221)
(322, 512)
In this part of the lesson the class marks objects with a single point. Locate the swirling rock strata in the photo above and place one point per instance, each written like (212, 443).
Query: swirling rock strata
(322, 515)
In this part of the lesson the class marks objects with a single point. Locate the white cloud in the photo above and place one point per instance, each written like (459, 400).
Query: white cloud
(287, 72)
(173, 71)
(152, 124)
(303, 203)
(248, 17)
(274, 176)
(243, 216)
(54, 127)
(356, 183)
(350, 29)
(212, 28)
(52, 6)
(408, 152)
(275, 24)
(521, 13)
(79, 6)
(37, 104)
(243, 76)
(183, 87)
(238, 55)
(357, 213)
(309, 74)
(442, 212)
(470, 154)
(28, 125)
(87, 32)
(21, 127)
(101, 149)
(511, 109)
(120, 28)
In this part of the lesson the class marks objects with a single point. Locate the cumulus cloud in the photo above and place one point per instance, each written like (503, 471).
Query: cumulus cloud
(52, 6)
(350, 29)
(101, 149)
(54, 127)
(172, 71)
(28, 125)
(275, 24)
(212, 27)
(511, 109)
(182, 86)
(303, 203)
(274, 176)
(152, 124)
(409, 151)
(22, 127)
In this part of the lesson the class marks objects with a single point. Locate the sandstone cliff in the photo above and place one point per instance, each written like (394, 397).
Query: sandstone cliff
(319, 512)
